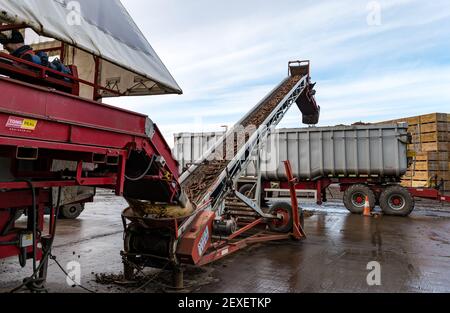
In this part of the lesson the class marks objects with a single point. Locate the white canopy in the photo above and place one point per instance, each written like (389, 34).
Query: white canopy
(103, 28)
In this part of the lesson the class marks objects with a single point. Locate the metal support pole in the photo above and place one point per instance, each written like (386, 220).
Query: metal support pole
(177, 278)
(298, 231)
(258, 179)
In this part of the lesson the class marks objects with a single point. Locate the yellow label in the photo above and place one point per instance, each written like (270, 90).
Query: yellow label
(29, 124)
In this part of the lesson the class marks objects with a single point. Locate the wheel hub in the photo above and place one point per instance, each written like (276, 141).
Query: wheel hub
(397, 202)
(358, 200)
(283, 218)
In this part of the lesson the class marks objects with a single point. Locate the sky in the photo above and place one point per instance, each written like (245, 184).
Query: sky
(372, 60)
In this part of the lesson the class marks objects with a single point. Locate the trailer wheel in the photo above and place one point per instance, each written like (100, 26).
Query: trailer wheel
(355, 198)
(285, 224)
(248, 190)
(397, 201)
(71, 211)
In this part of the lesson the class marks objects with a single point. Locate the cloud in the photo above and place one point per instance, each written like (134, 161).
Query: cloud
(227, 55)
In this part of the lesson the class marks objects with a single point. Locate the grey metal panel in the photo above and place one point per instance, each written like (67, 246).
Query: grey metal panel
(319, 152)
(190, 147)
(337, 151)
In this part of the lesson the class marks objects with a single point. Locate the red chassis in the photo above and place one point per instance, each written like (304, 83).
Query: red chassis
(429, 193)
(10, 235)
(377, 185)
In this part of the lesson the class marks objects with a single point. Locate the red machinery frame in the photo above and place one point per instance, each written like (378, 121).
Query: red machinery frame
(39, 124)
(47, 77)
(83, 130)
(19, 199)
(248, 233)
(200, 244)
(232, 243)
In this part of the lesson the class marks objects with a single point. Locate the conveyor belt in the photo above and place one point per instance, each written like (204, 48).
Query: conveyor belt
(197, 184)
(207, 179)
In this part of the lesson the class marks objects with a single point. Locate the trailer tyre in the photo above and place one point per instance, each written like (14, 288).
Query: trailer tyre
(249, 191)
(285, 224)
(355, 198)
(71, 211)
(397, 201)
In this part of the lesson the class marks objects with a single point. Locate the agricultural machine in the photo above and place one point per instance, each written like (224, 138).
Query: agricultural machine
(57, 136)
(224, 220)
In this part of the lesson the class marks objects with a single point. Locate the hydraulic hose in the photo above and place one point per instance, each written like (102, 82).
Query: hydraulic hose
(134, 179)
(34, 220)
(31, 281)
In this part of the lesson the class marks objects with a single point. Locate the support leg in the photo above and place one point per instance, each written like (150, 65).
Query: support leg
(128, 270)
(178, 278)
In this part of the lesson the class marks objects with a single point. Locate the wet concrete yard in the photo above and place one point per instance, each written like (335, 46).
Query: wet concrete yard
(414, 254)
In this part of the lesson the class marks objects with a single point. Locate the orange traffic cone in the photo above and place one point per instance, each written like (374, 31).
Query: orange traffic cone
(367, 210)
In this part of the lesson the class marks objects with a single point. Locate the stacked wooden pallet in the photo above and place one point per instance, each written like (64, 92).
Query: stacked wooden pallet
(431, 151)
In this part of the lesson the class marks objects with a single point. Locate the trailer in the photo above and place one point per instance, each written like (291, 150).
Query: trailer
(363, 160)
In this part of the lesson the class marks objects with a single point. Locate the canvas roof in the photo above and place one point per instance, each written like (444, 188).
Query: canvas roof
(101, 28)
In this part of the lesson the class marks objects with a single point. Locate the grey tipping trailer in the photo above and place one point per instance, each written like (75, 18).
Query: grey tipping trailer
(341, 151)
(365, 160)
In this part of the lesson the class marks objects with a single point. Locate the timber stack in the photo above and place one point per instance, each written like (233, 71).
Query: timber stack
(430, 151)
